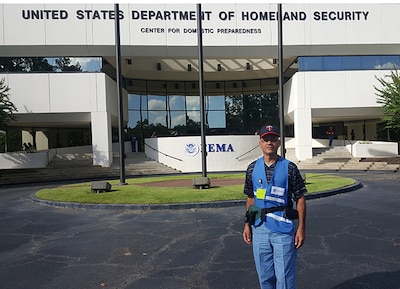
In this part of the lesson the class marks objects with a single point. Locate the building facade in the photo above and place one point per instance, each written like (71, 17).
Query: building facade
(332, 57)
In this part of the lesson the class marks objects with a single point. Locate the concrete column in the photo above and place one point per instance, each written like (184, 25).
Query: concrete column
(303, 133)
(101, 139)
(41, 140)
(26, 137)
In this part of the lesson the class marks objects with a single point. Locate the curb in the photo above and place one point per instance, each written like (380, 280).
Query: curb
(221, 204)
(357, 185)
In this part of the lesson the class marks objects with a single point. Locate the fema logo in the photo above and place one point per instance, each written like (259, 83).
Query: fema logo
(192, 149)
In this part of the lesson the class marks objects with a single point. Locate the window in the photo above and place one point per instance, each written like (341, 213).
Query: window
(60, 64)
(176, 102)
(192, 103)
(334, 63)
(156, 102)
(173, 108)
(215, 111)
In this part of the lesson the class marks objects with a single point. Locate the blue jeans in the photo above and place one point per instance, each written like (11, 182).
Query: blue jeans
(330, 140)
(275, 258)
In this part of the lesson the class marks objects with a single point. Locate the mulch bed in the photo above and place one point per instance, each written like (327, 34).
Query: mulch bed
(189, 183)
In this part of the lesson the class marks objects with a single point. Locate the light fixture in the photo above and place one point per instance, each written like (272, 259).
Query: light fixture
(247, 66)
(189, 67)
(219, 67)
(128, 61)
(274, 61)
(158, 66)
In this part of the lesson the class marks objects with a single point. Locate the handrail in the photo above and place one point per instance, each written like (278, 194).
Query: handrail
(248, 152)
(163, 153)
(351, 144)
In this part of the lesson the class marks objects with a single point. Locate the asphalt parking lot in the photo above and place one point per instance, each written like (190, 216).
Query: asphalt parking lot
(353, 242)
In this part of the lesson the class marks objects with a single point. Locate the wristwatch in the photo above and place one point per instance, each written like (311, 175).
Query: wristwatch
(246, 217)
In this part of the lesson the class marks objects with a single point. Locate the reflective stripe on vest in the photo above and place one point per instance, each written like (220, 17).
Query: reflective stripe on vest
(275, 221)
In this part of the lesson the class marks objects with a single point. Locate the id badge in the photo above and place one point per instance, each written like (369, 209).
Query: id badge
(277, 191)
(260, 193)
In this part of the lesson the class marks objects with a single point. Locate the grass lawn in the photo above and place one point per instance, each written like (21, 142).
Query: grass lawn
(132, 193)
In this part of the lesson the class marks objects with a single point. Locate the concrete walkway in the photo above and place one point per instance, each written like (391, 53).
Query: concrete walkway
(353, 242)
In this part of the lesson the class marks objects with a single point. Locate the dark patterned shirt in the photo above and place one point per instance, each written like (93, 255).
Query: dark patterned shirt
(296, 186)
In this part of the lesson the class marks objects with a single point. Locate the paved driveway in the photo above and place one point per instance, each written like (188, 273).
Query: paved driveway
(353, 242)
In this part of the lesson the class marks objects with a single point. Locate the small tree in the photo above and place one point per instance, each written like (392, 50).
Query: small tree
(7, 108)
(389, 97)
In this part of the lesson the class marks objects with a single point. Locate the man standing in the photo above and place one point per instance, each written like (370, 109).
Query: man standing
(133, 142)
(331, 133)
(272, 185)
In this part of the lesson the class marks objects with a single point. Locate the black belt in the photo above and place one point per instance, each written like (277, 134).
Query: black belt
(255, 213)
(273, 209)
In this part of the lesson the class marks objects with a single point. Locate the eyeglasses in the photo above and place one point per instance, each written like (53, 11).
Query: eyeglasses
(269, 138)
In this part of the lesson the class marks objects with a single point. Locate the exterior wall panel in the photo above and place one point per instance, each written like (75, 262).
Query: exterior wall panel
(334, 89)
(70, 92)
(28, 32)
(324, 35)
(30, 92)
(70, 31)
(54, 93)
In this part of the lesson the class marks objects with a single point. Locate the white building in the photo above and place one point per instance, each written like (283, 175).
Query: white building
(332, 56)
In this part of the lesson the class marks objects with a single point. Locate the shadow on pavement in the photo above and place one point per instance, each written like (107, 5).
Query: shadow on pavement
(390, 280)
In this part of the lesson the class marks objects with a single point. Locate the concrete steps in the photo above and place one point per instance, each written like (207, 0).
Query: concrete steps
(75, 167)
(339, 158)
(139, 164)
(64, 160)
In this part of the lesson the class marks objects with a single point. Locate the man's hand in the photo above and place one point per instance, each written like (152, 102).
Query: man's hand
(247, 234)
(299, 238)
(247, 228)
(301, 230)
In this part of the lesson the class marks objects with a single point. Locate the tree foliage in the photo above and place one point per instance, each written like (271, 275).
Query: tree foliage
(389, 97)
(7, 108)
(64, 64)
(37, 64)
(24, 64)
(246, 113)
